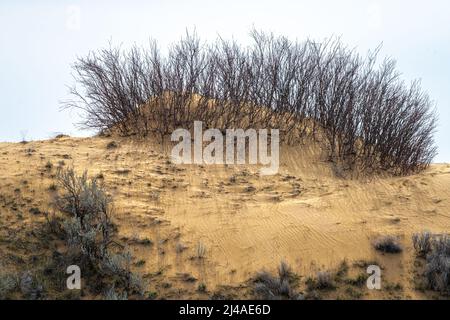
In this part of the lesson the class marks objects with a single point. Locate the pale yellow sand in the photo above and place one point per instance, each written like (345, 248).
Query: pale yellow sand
(242, 222)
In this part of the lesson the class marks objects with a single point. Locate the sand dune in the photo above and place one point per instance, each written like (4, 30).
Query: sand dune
(238, 221)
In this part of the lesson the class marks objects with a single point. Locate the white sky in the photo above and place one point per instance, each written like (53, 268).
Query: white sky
(40, 39)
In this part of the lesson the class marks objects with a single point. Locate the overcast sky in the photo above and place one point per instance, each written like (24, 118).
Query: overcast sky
(39, 40)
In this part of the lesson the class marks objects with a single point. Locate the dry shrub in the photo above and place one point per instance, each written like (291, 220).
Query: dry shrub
(366, 116)
(437, 268)
(388, 244)
(276, 287)
(422, 243)
(89, 233)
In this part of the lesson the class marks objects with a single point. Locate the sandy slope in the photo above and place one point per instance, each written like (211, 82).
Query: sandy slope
(239, 221)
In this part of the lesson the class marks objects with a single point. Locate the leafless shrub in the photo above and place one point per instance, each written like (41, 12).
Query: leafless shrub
(366, 116)
(54, 224)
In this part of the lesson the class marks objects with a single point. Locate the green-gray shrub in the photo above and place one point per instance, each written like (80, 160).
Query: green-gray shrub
(437, 269)
(275, 287)
(422, 243)
(8, 284)
(112, 294)
(88, 230)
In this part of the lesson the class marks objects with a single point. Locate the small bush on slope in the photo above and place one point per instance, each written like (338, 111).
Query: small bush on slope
(88, 232)
(435, 248)
(8, 284)
(437, 270)
(270, 287)
(388, 244)
(88, 228)
(422, 243)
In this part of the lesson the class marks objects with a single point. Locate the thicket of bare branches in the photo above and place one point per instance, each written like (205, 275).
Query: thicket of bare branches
(367, 116)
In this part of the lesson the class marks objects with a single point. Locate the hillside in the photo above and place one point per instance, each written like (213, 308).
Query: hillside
(218, 225)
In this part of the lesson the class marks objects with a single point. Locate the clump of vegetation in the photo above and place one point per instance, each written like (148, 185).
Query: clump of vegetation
(342, 269)
(357, 281)
(54, 224)
(437, 268)
(30, 286)
(141, 241)
(112, 294)
(122, 171)
(200, 251)
(35, 211)
(24, 140)
(118, 266)
(201, 287)
(112, 145)
(48, 165)
(393, 287)
(88, 228)
(324, 280)
(8, 284)
(27, 284)
(88, 231)
(276, 287)
(179, 247)
(388, 244)
(155, 195)
(367, 117)
(353, 293)
(422, 243)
